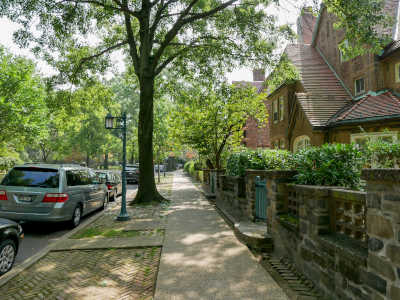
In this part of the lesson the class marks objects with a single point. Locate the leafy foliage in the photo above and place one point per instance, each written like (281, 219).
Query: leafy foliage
(382, 155)
(259, 160)
(285, 72)
(22, 99)
(364, 23)
(212, 119)
(330, 165)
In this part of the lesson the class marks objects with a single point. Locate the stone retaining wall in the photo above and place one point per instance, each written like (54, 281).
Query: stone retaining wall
(347, 242)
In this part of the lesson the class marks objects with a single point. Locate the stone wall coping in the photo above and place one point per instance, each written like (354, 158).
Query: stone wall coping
(392, 175)
(272, 173)
(359, 195)
(316, 187)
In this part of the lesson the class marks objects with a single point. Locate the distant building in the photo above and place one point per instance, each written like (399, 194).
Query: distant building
(255, 135)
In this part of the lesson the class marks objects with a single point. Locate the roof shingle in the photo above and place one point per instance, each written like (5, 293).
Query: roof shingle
(371, 106)
(324, 93)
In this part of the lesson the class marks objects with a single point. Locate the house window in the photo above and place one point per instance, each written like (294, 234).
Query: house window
(397, 72)
(361, 139)
(281, 108)
(275, 110)
(359, 86)
(301, 142)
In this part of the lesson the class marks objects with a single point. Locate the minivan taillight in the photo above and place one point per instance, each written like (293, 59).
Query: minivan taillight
(3, 195)
(56, 197)
(109, 186)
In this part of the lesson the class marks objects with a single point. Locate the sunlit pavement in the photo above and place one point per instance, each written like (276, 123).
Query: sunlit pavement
(201, 257)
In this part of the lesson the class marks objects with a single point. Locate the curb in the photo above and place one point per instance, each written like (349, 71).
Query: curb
(33, 259)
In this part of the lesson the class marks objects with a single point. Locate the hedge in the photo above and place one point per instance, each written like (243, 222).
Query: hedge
(259, 160)
(330, 165)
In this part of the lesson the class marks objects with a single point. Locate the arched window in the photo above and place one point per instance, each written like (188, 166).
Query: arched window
(301, 142)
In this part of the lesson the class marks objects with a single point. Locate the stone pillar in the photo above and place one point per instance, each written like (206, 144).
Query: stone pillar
(276, 190)
(313, 209)
(383, 229)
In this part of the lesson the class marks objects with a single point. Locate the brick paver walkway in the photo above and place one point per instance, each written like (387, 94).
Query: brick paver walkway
(91, 274)
(120, 267)
(201, 257)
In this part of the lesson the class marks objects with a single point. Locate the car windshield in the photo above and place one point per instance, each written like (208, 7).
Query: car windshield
(31, 176)
(102, 175)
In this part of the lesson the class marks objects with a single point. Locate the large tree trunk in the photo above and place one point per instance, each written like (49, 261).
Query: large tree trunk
(147, 191)
(105, 165)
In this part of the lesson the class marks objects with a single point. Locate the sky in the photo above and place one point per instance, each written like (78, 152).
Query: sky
(287, 13)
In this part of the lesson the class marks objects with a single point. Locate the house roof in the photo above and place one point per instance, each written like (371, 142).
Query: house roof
(373, 105)
(324, 95)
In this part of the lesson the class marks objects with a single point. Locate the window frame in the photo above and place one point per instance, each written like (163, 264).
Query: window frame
(374, 136)
(281, 108)
(301, 139)
(355, 86)
(397, 73)
(275, 114)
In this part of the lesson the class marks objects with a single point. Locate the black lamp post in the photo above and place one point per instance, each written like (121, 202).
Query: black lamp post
(120, 123)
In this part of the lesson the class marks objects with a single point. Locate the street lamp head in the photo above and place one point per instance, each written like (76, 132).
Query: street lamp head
(109, 121)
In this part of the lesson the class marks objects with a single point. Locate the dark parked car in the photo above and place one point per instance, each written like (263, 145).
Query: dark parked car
(132, 173)
(11, 235)
(113, 181)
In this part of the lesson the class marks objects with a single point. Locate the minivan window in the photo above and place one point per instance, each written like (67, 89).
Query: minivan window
(73, 178)
(32, 176)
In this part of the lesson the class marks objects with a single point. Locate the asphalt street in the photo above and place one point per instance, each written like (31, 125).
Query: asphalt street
(40, 235)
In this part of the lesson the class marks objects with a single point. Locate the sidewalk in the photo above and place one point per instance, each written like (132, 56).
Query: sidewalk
(202, 259)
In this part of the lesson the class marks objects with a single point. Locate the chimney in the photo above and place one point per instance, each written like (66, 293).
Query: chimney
(305, 25)
(258, 75)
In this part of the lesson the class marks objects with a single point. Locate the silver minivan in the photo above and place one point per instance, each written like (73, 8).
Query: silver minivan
(51, 193)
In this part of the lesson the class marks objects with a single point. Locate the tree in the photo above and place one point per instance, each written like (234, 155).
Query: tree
(362, 22)
(205, 35)
(22, 100)
(209, 120)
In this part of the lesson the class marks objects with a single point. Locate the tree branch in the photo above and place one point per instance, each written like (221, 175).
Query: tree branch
(131, 40)
(109, 49)
(171, 34)
(104, 5)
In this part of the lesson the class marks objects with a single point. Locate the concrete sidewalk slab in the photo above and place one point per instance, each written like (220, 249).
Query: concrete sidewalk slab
(107, 243)
(201, 257)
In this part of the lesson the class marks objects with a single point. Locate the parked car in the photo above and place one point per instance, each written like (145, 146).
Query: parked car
(113, 181)
(162, 168)
(11, 235)
(51, 193)
(132, 173)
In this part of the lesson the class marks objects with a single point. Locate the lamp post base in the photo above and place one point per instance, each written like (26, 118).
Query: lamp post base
(123, 217)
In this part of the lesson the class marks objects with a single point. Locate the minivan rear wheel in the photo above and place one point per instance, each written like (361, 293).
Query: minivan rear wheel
(76, 217)
(8, 252)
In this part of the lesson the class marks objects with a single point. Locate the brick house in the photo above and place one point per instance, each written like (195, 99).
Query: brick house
(255, 136)
(335, 99)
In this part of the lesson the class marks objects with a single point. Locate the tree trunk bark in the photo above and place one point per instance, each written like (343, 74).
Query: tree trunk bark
(147, 191)
(87, 159)
(105, 165)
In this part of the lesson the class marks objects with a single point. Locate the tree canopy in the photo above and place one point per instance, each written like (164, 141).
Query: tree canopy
(209, 120)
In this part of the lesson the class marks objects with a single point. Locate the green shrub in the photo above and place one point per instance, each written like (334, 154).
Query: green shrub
(330, 165)
(187, 165)
(7, 163)
(382, 155)
(259, 160)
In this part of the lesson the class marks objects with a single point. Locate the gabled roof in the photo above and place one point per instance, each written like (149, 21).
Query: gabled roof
(324, 95)
(373, 105)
